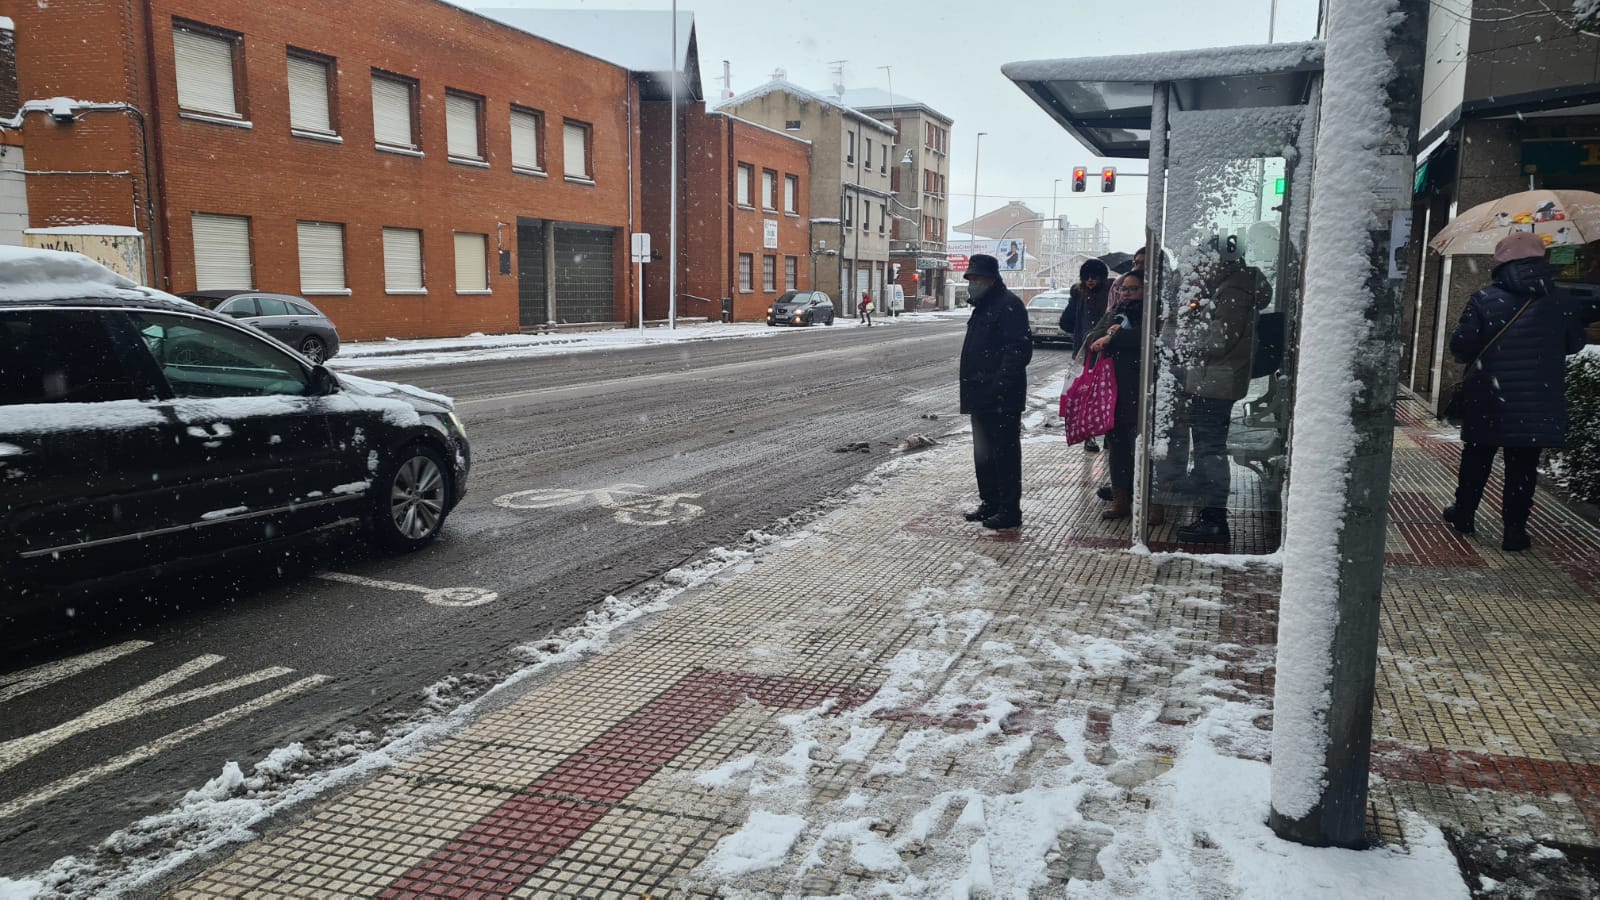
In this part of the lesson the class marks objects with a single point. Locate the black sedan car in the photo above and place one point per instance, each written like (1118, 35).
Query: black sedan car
(140, 433)
(290, 319)
(801, 308)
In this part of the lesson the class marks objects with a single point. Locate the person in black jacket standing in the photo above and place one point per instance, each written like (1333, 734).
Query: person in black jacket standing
(994, 391)
(1514, 337)
(1086, 303)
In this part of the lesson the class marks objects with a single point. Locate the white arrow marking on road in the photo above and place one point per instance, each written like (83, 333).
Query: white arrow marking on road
(160, 745)
(18, 683)
(134, 703)
(450, 596)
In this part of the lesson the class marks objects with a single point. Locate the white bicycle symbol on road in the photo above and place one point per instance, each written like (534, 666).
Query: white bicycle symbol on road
(629, 505)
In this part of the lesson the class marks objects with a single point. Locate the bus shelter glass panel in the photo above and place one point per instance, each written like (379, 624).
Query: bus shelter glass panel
(1216, 442)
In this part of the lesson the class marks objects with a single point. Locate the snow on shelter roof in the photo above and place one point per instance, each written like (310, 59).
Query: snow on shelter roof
(780, 86)
(637, 40)
(1105, 102)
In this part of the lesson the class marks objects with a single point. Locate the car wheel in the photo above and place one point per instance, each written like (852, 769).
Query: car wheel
(828, 321)
(314, 349)
(410, 497)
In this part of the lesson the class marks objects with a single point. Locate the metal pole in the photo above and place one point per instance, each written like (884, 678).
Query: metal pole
(672, 229)
(976, 153)
(1154, 292)
(1055, 245)
(1328, 633)
(1272, 23)
(640, 267)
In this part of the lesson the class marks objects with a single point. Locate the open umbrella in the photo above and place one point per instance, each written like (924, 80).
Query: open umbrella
(1557, 217)
(1116, 261)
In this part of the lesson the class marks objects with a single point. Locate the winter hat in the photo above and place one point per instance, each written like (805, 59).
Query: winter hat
(982, 265)
(1518, 245)
(1094, 268)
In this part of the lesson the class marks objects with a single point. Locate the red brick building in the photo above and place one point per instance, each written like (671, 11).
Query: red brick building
(414, 168)
(744, 215)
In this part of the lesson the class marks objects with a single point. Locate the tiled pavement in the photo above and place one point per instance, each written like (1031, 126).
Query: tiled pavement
(594, 782)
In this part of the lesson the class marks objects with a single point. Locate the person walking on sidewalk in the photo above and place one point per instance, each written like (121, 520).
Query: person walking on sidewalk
(1117, 335)
(1086, 303)
(864, 311)
(1514, 337)
(994, 391)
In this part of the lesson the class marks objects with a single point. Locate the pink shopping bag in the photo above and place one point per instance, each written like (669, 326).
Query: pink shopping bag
(1089, 404)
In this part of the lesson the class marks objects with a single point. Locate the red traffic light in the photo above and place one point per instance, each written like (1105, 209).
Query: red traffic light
(1108, 179)
(1080, 179)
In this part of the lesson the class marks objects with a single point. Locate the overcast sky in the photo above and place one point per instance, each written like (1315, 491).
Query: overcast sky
(948, 56)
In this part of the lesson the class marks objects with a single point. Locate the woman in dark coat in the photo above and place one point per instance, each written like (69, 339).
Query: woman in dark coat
(1117, 335)
(1515, 385)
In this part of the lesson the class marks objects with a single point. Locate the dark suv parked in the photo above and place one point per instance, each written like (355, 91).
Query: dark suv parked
(140, 432)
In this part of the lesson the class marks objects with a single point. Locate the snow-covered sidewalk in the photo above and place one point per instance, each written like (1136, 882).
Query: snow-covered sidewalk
(411, 353)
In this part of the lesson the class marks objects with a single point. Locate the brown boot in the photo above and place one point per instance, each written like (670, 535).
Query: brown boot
(1158, 514)
(1121, 506)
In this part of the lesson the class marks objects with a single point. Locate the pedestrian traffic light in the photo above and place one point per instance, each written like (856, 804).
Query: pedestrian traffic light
(1080, 179)
(1108, 179)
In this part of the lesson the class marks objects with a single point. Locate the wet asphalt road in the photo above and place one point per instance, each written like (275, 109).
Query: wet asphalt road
(745, 430)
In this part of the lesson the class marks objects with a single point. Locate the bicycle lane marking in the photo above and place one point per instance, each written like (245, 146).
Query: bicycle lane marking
(456, 597)
(628, 506)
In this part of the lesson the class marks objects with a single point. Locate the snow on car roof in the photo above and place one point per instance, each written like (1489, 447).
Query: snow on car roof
(33, 275)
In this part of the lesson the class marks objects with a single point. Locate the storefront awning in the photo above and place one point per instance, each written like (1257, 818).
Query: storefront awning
(1105, 102)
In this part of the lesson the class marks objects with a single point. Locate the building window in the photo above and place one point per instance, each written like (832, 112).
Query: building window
(221, 252)
(746, 264)
(207, 62)
(321, 258)
(575, 151)
(850, 147)
(394, 107)
(743, 188)
(866, 214)
(527, 144)
(791, 194)
(311, 94)
(883, 216)
(769, 274)
(791, 272)
(463, 126)
(402, 261)
(791, 124)
(472, 263)
(769, 189)
(849, 212)
(868, 155)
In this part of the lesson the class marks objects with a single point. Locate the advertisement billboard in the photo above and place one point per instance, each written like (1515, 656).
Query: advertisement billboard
(1011, 252)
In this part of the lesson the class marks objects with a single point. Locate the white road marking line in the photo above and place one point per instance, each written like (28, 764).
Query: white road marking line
(132, 704)
(158, 746)
(637, 509)
(18, 683)
(447, 596)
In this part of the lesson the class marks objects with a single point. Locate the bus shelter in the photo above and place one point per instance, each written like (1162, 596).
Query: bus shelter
(1228, 134)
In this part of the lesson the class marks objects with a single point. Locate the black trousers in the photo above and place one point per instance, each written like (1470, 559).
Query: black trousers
(997, 457)
(1120, 443)
(1522, 474)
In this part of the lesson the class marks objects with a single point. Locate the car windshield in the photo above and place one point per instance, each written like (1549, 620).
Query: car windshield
(209, 301)
(1049, 301)
(792, 297)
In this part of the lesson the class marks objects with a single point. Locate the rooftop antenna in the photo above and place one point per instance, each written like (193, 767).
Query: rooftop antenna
(780, 74)
(838, 76)
(727, 80)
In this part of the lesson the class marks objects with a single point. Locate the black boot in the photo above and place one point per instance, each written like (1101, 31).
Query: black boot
(983, 511)
(1105, 492)
(1516, 539)
(1003, 520)
(1463, 524)
(1210, 528)
(1091, 446)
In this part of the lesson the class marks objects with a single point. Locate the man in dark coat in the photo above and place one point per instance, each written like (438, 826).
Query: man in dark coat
(994, 391)
(1516, 382)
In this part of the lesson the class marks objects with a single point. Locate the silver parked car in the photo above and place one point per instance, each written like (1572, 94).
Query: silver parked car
(1044, 316)
(288, 318)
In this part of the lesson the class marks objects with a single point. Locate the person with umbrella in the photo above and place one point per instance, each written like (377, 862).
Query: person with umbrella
(1514, 337)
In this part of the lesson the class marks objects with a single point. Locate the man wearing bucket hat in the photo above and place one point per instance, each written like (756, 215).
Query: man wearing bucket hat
(1514, 338)
(994, 391)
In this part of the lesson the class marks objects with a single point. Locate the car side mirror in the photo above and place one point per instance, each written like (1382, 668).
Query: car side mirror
(323, 382)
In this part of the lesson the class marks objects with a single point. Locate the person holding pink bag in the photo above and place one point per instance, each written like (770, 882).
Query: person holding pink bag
(1117, 336)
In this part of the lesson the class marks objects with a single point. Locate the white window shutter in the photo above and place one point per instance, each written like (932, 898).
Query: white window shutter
(391, 112)
(769, 190)
(524, 140)
(575, 150)
(308, 95)
(221, 252)
(402, 259)
(461, 127)
(472, 266)
(205, 73)
(321, 257)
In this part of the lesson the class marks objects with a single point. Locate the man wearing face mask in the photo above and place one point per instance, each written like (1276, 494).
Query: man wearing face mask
(994, 391)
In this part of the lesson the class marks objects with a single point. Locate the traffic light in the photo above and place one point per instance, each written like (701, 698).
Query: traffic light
(1080, 179)
(1108, 179)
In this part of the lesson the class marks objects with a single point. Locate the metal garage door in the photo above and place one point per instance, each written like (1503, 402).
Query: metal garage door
(532, 306)
(585, 272)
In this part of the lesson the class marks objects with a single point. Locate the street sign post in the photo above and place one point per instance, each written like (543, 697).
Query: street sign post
(641, 255)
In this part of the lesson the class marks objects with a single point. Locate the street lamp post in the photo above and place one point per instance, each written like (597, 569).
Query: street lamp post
(1055, 244)
(976, 153)
(672, 190)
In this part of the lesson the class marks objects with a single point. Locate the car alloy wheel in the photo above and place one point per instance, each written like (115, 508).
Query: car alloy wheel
(411, 499)
(314, 349)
